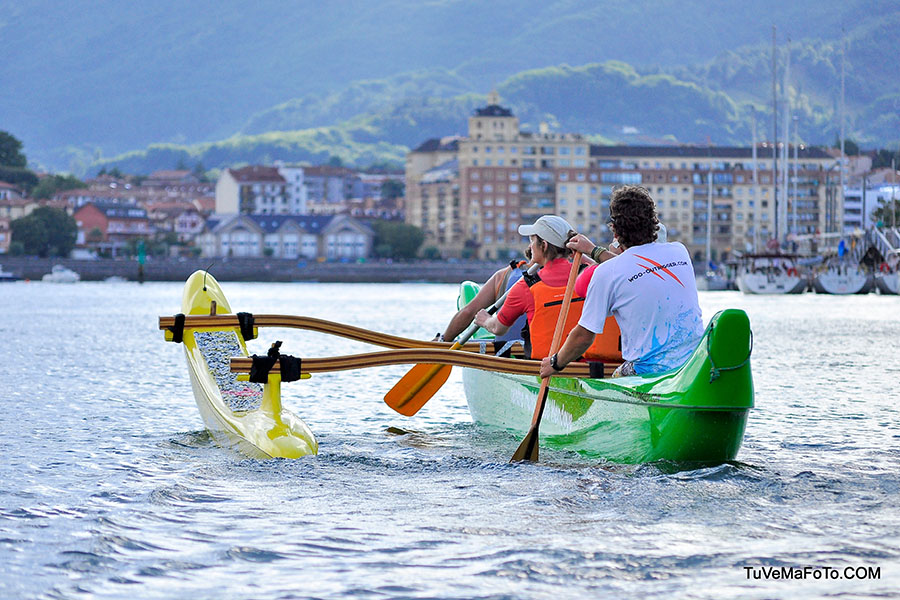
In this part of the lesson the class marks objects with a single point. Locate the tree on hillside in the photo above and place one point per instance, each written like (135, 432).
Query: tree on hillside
(887, 214)
(394, 239)
(391, 189)
(884, 157)
(49, 186)
(11, 151)
(19, 177)
(45, 232)
(851, 148)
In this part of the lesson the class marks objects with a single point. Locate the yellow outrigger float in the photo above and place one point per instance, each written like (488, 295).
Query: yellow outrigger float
(239, 414)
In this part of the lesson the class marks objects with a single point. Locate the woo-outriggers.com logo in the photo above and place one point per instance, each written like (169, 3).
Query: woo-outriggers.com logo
(656, 268)
(809, 572)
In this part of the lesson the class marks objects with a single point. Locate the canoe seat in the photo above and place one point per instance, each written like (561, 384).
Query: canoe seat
(218, 347)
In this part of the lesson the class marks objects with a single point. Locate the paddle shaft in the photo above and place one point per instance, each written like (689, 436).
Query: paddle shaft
(414, 389)
(528, 449)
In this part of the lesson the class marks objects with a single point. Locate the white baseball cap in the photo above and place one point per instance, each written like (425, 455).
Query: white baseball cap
(553, 229)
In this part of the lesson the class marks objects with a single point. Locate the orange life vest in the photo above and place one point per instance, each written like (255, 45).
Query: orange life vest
(607, 346)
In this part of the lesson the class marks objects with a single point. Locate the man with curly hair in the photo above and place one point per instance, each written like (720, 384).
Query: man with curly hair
(649, 288)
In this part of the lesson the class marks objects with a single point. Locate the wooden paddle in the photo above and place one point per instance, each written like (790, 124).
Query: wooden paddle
(528, 449)
(422, 381)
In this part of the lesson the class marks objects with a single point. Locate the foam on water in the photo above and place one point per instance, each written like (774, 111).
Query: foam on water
(109, 487)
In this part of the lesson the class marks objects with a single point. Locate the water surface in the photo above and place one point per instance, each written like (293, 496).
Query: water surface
(110, 488)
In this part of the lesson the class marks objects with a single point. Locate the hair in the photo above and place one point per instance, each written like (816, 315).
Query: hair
(554, 252)
(632, 213)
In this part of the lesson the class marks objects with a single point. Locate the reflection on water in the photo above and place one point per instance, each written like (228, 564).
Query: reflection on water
(110, 488)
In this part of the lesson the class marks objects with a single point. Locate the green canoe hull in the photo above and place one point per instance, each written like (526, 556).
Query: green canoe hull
(696, 413)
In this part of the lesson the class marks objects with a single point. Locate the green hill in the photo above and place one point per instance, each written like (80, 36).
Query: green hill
(92, 79)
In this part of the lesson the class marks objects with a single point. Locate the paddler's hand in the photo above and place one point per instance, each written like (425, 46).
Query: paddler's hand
(482, 317)
(580, 243)
(547, 369)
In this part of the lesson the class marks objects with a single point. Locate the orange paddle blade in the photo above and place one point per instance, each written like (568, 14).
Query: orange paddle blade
(416, 388)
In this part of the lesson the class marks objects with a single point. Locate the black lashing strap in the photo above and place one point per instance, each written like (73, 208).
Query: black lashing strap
(246, 321)
(289, 366)
(177, 329)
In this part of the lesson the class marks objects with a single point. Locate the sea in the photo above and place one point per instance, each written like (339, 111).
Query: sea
(111, 488)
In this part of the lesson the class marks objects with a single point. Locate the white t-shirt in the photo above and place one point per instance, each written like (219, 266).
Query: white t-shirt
(652, 293)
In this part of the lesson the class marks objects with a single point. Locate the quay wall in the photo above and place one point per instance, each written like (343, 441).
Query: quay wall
(259, 269)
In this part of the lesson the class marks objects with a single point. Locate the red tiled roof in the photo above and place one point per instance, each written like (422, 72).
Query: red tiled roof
(326, 171)
(257, 173)
(179, 174)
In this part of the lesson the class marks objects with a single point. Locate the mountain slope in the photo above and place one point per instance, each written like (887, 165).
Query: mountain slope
(107, 76)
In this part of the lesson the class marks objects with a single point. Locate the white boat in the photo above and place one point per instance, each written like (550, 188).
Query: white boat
(60, 274)
(842, 279)
(7, 275)
(888, 283)
(711, 281)
(770, 274)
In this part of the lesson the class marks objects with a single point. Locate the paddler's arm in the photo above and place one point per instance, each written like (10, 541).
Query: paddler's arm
(490, 322)
(484, 298)
(578, 341)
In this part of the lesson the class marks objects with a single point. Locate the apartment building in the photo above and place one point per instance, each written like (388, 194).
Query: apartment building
(432, 186)
(697, 185)
(259, 190)
(330, 189)
(503, 177)
(111, 226)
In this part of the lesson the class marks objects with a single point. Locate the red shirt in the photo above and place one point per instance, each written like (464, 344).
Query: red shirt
(520, 301)
(584, 278)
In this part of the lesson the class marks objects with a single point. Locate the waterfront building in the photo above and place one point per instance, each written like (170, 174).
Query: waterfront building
(5, 234)
(9, 192)
(470, 194)
(16, 207)
(110, 227)
(330, 189)
(862, 198)
(331, 237)
(685, 180)
(259, 190)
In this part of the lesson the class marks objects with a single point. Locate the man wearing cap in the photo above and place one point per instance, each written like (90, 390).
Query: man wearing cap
(547, 240)
(650, 290)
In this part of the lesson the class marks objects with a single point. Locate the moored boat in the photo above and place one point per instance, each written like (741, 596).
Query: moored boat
(888, 283)
(61, 274)
(238, 414)
(842, 279)
(7, 275)
(770, 274)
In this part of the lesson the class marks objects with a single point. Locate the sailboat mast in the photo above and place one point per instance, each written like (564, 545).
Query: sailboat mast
(775, 135)
(840, 208)
(786, 148)
(756, 197)
(796, 169)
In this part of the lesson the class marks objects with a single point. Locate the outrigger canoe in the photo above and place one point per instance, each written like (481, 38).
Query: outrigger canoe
(696, 413)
